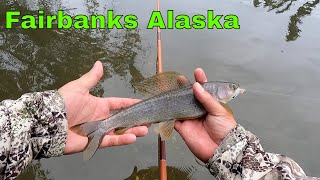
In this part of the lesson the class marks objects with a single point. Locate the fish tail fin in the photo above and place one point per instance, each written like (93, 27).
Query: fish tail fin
(93, 144)
(85, 129)
(90, 130)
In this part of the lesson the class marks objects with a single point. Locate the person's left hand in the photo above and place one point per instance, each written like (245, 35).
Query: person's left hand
(82, 107)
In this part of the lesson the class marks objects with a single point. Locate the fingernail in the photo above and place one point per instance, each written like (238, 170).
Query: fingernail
(96, 63)
(198, 87)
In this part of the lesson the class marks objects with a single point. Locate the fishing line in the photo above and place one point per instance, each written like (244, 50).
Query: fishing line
(284, 95)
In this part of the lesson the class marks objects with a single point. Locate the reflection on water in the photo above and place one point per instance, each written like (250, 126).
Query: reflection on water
(34, 172)
(295, 19)
(35, 60)
(153, 173)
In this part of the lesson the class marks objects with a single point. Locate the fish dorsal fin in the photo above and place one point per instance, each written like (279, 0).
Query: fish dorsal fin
(165, 129)
(162, 82)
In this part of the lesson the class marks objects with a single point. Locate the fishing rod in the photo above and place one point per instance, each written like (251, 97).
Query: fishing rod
(161, 144)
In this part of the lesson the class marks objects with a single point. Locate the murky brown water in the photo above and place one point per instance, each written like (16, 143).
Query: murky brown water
(276, 50)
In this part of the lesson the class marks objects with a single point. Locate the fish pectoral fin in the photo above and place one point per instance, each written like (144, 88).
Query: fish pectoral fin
(120, 130)
(228, 108)
(165, 129)
(87, 128)
(162, 82)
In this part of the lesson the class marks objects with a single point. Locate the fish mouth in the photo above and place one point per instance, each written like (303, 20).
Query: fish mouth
(241, 90)
(237, 92)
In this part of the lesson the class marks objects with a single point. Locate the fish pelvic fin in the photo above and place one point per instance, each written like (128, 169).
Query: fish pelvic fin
(87, 128)
(93, 144)
(165, 129)
(162, 82)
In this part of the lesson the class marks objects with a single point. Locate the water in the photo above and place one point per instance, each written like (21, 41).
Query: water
(276, 51)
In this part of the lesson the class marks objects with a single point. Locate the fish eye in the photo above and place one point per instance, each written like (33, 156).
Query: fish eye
(234, 86)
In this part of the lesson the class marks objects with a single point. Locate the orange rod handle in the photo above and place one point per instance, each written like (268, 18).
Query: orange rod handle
(163, 170)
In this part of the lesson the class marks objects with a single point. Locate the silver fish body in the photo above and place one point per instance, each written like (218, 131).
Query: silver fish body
(176, 104)
(165, 107)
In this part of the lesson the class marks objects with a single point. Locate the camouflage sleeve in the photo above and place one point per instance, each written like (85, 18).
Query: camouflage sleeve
(31, 127)
(240, 156)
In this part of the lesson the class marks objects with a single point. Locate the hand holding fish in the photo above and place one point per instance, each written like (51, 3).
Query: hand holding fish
(82, 107)
(204, 135)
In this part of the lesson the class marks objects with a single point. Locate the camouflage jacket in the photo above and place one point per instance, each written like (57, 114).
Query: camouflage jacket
(31, 127)
(241, 156)
(35, 126)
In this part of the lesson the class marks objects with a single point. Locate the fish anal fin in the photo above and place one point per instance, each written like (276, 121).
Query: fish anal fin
(120, 130)
(228, 108)
(165, 129)
(162, 82)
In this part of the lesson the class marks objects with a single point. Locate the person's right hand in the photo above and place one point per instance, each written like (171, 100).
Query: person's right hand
(204, 135)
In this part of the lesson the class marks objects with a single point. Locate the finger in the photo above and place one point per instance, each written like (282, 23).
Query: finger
(92, 77)
(118, 140)
(188, 128)
(178, 125)
(185, 127)
(119, 103)
(200, 76)
(209, 103)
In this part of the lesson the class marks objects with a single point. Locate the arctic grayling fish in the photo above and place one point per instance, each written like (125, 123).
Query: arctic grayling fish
(171, 99)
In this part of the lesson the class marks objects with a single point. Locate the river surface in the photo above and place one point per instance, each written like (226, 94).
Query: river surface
(277, 50)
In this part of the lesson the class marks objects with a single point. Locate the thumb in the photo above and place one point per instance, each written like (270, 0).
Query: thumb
(209, 103)
(92, 77)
